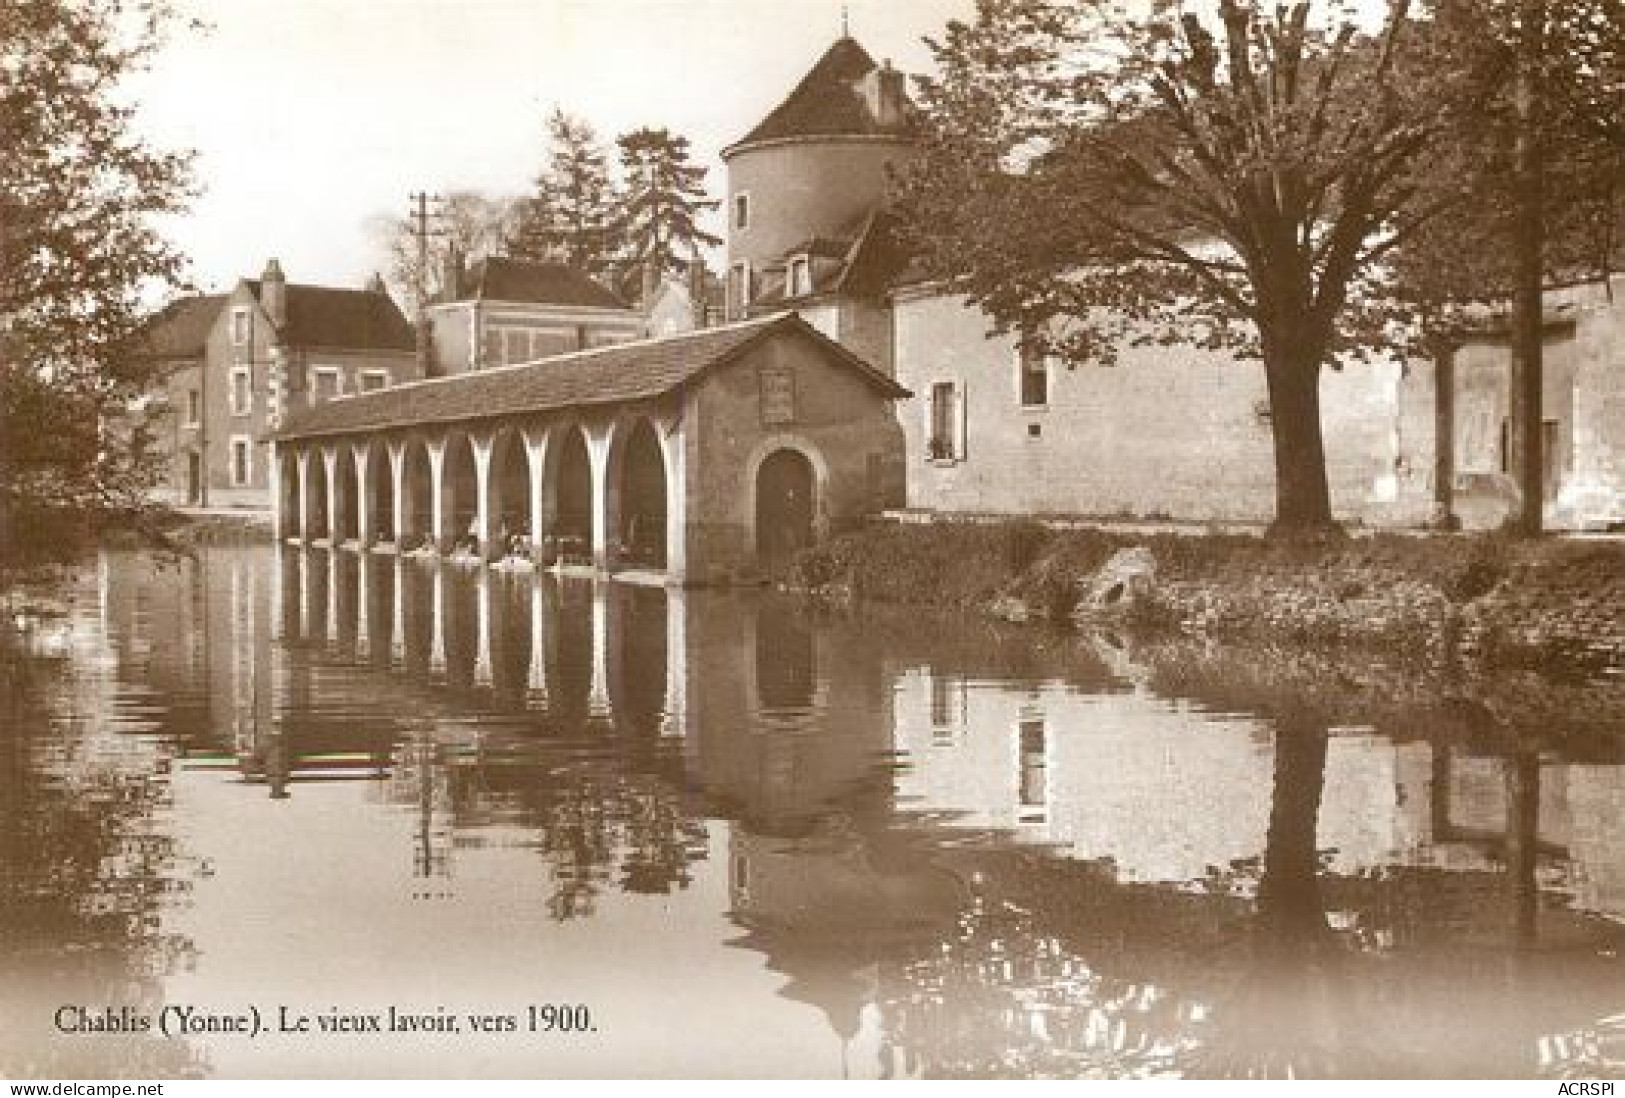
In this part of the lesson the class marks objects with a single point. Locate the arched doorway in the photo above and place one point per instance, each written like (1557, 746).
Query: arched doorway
(380, 493)
(569, 501)
(510, 492)
(347, 497)
(460, 499)
(785, 505)
(417, 496)
(316, 522)
(641, 522)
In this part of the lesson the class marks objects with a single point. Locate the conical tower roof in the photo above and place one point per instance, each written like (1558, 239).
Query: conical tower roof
(829, 102)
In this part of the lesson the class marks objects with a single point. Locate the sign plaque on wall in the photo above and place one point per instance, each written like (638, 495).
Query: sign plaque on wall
(778, 396)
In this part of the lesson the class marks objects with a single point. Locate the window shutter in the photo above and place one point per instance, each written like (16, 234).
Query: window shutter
(961, 425)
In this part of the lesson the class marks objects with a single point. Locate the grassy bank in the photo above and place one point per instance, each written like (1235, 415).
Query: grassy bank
(1484, 599)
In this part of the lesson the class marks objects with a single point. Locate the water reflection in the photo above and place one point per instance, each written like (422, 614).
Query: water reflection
(877, 849)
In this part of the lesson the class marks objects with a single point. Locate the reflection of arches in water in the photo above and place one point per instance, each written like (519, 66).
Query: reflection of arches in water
(568, 498)
(316, 495)
(291, 562)
(417, 617)
(346, 496)
(380, 494)
(510, 639)
(786, 671)
(461, 626)
(569, 650)
(637, 658)
(510, 490)
(345, 599)
(417, 494)
(640, 476)
(460, 499)
(785, 504)
(380, 596)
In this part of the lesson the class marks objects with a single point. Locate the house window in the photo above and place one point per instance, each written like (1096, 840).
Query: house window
(946, 440)
(328, 384)
(800, 280)
(1031, 779)
(242, 460)
(739, 287)
(742, 210)
(242, 395)
(194, 407)
(515, 346)
(239, 327)
(373, 380)
(1034, 370)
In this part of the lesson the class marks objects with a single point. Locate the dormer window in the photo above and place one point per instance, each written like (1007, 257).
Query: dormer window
(742, 210)
(799, 282)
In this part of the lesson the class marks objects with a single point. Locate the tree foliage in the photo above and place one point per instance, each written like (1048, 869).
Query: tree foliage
(466, 226)
(1238, 180)
(663, 197)
(80, 254)
(572, 216)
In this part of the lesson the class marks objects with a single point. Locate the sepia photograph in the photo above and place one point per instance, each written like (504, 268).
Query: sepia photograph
(790, 539)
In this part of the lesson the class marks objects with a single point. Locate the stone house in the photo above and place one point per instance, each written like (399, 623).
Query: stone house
(234, 364)
(501, 311)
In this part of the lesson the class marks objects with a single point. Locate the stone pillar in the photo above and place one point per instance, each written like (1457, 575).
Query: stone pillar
(397, 625)
(598, 688)
(303, 461)
(437, 505)
(537, 680)
(536, 453)
(671, 437)
(437, 622)
(598, 445)
(273, 478)
(365, 535)
(396, 449)
(675, 723)
(363, 596)
(330, 462)
(482, 446)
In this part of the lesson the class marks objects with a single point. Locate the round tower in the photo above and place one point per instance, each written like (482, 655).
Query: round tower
(815, 167)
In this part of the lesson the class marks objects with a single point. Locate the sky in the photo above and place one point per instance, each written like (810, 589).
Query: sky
(311, 118)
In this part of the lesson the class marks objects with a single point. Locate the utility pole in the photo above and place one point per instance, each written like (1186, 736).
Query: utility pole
(419, 220)
(1524, 400)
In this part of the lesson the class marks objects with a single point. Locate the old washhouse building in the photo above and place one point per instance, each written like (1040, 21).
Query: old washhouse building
(698, 458)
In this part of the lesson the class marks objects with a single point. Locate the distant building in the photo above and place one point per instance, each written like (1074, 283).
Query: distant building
(500, 311)
(235, 364)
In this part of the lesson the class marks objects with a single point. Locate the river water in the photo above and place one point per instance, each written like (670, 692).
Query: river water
(610, 830)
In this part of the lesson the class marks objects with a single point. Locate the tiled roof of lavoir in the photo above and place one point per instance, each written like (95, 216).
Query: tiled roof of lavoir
(827, 103)
(606, 375)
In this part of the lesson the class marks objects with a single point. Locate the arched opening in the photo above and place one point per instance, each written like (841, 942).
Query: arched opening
(316, 524)
(380, 493)
(641, 519)
(346, 497)
(511, 519)
(637, 657)
(785, 506)
(417, 496)
(569, 501)
(288, 490)
(460, 493)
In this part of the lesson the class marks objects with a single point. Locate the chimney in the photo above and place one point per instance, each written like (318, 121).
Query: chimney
(883, 94)
(375, 284)
(274, 293)
(451, 275)
(651, 283)
(696, 292)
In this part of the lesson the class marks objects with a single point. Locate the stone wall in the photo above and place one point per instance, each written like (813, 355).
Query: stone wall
(1174, 432)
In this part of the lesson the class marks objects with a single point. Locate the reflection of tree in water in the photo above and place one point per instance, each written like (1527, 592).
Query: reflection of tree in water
(84, 872)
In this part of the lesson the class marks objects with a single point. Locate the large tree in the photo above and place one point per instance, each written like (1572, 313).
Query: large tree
(80, 254)
(663, 200)
(463, 226)
(571, 219)
(1233, 180)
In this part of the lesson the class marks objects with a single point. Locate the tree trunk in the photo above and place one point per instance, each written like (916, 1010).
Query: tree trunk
(1444, 437)
(1529, 233)
(1302, 498)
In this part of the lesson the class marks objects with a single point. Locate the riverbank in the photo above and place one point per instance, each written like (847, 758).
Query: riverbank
(1481, 600)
